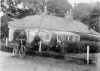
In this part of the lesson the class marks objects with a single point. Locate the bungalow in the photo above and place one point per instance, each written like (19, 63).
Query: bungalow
(48, 26)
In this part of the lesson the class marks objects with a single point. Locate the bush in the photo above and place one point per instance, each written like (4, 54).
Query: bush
(81, 47)
(89, 38)
(72, 47)
(44, 46)
(4, 30)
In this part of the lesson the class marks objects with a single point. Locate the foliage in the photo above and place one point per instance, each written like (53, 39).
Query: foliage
(55, 7)
(32, 7)
(81, 9)
(58, 7)
(92, 19)
(81, 47)
(4, 30)
(89, 38)
(88, 13)
(11, 9)
(74, 47)
(4, 26)
(45, 46)
(5, 19)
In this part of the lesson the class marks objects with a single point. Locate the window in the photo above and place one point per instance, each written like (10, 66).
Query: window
(73, 38)
(77, 38)
(47, 37)
(67, 38)
(62, 38)
(41, 34)
(70, 38)
(42, 37)
(59, 38)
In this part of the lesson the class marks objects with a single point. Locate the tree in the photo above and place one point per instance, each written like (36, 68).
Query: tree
(55, 7)
(58, 7)
(92, 19)
(80, 10)
(88, 13)
(4, 26)
(14, 8)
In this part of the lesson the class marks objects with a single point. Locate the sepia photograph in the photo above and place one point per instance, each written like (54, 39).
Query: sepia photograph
(49, 35)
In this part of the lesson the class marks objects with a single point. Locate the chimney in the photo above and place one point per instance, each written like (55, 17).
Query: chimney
(69, 15)
(45, 7)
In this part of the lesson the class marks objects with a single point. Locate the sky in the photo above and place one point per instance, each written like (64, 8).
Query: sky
(78, 1)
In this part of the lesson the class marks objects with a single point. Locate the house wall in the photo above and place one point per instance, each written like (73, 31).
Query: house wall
(30, 35)
(46, 35)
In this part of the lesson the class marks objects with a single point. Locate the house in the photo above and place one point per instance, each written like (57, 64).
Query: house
(47, 26)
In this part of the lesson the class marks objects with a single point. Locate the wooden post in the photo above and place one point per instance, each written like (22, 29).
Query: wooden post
(79, 38)
(68, 38)
(44, 37)
(87, 54)
(40, 47)
(28, 36)
(6, 41)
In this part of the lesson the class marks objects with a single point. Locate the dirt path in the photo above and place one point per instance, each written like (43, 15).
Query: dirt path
(3, 56)
(35, 63)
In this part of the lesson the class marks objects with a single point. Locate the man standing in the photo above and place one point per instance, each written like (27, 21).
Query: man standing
(35, 42)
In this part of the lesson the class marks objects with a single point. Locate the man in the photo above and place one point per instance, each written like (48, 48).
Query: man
(35, 42)
(20, 39)
(22, 36)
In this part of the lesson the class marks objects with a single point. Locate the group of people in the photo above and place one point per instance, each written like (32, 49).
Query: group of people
(54, 45)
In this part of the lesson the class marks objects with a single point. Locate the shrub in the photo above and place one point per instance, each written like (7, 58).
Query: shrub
(81, 47)
(44, 46)
(4, 30)
(71, 47)
(89, 38)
